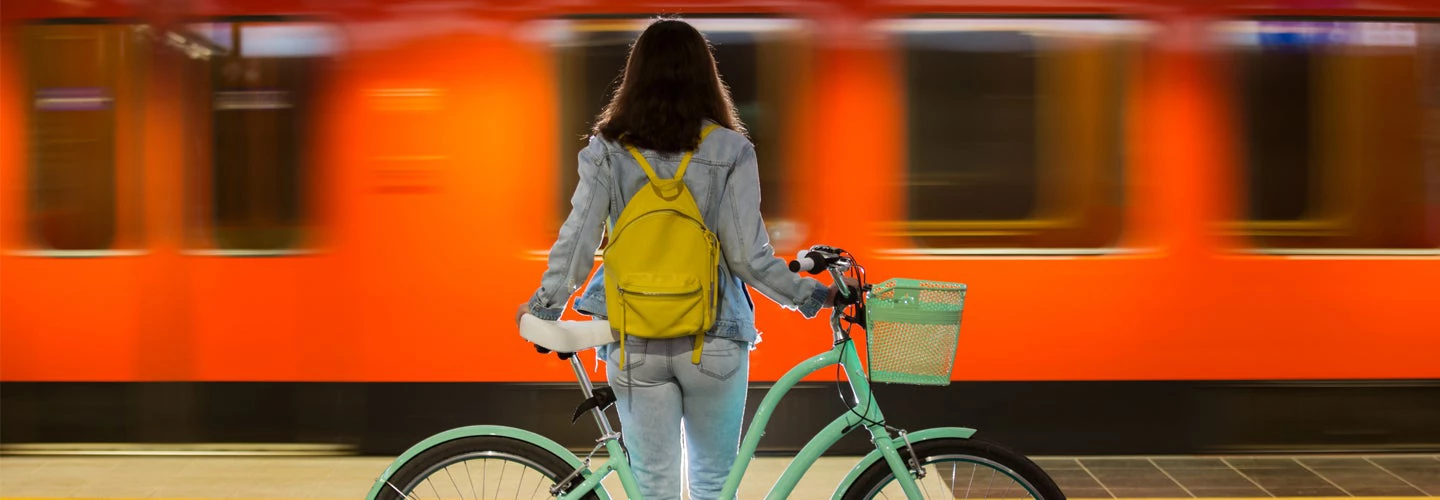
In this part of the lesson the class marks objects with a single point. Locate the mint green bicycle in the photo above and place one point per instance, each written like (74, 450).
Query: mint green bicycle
(912, 330)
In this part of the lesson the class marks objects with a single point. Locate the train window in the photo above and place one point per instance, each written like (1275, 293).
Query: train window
(1015, 130)
(762, 60)
(254, 88)
(80, 79)
(1340, 130)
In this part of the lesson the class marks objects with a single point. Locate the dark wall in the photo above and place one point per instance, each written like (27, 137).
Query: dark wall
(1047, 418)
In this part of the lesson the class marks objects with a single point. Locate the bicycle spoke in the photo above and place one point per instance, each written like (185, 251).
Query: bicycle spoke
(922, 483)
(1001, 483)
(411, 484)
(432, 488)
(520, 483)
(971, 484)
(471, 479)
(990, 482)
(410, 496)
(501, 481)
(939, 479)
(952, 481)
(453, 483)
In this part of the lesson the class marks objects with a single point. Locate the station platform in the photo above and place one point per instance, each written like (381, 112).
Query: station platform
(248, 477)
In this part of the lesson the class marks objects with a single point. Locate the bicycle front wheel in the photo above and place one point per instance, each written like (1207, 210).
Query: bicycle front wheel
(479, 467)
(960, 468)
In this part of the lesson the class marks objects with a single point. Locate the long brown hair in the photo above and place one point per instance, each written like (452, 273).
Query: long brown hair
(670, 85)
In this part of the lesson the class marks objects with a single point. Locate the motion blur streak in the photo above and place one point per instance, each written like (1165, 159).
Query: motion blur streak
(298, 191)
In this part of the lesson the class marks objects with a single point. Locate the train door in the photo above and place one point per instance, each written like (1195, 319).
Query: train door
(76, 281)
(249, 92)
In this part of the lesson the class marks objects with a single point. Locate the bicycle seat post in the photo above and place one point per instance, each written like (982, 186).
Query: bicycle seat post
(589, 390)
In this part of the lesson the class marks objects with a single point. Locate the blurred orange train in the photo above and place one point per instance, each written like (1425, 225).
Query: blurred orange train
(1134, 190)
(292, 190)
(322, 196)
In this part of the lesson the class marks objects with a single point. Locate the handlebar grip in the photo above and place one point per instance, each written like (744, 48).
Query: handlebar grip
(804, 264)
(808, 261)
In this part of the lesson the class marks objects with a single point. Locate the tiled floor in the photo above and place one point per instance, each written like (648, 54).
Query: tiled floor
(1235, 477)
(1085, 477)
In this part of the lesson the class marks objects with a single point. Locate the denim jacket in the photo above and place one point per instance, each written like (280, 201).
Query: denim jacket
(725, 181)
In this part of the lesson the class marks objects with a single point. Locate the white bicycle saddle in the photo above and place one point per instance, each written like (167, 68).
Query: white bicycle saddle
(567, 336)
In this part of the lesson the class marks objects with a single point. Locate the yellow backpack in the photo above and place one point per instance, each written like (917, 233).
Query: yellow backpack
(661, 262)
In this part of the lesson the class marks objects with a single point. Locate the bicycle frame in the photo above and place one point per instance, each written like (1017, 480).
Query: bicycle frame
(843, 353)
(866, 413)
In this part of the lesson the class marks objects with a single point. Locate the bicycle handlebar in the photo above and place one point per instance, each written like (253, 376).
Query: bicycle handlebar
(820, 258)
(837, 261)
(809, 261)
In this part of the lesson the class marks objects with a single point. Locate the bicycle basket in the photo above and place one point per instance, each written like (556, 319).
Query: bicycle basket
(912, 330)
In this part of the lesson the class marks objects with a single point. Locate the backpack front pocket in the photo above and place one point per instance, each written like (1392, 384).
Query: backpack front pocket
(662, 306)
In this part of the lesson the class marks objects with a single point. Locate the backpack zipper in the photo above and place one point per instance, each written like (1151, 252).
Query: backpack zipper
(658, 294)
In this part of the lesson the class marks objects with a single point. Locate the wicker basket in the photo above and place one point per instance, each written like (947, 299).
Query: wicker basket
(913, 329)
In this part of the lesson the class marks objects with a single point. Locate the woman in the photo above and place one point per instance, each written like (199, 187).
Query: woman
(670, 90)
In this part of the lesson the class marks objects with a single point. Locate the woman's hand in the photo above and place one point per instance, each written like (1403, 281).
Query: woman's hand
(851, 283)
(519, 313)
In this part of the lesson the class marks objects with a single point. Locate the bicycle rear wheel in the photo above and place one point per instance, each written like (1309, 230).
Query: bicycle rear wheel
(961, 468)
(479, 467)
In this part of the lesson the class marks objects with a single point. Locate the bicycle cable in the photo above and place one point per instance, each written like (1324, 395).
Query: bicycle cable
(857, 271)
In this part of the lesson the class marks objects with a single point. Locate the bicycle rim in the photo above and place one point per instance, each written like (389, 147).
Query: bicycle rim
(480, 475)
(962, 476)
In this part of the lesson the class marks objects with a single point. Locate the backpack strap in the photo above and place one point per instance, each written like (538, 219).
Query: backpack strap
(639, 158)
(699, 344)
(684, 162)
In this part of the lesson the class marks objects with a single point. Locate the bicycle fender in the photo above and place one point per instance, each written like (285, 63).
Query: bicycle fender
(479, 430)
(915, 437)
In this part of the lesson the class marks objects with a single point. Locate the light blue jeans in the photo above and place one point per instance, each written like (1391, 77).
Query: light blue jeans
(659, 389)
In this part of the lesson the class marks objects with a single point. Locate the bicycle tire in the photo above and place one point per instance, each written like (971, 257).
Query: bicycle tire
(931, 451)
(410, 475)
